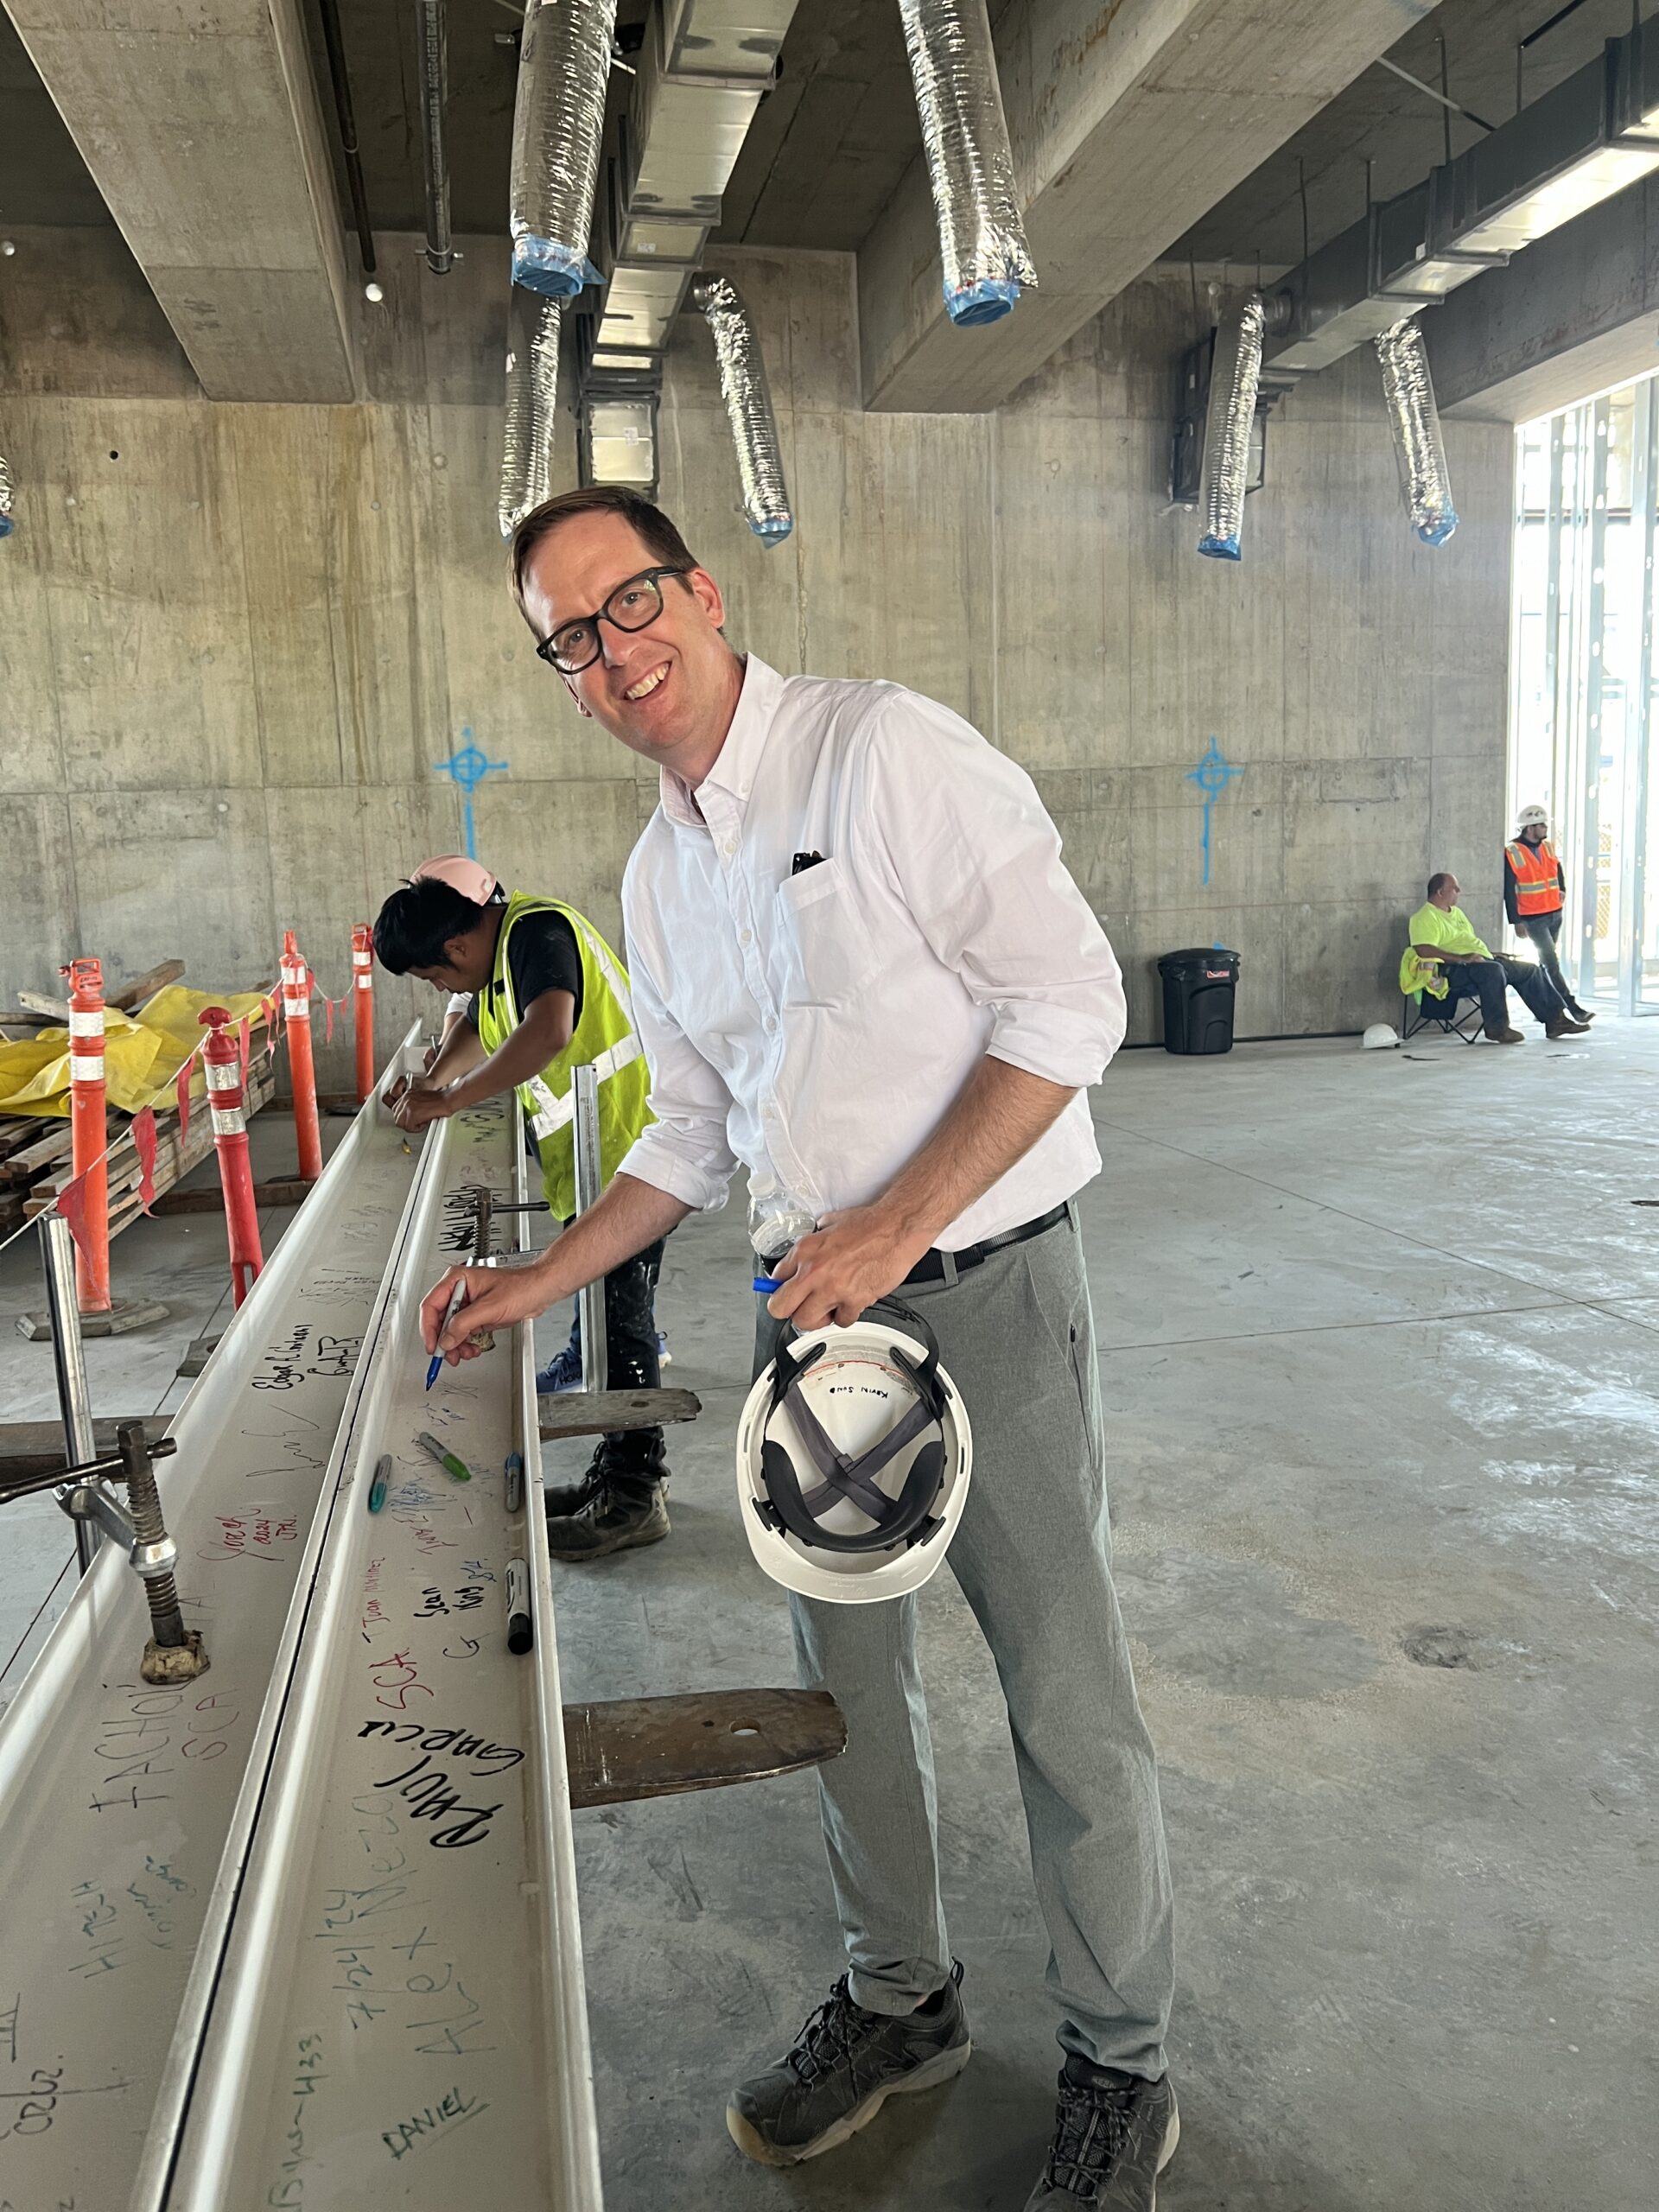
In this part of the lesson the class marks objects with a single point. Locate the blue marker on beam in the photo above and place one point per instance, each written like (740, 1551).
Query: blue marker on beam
(435, 1365)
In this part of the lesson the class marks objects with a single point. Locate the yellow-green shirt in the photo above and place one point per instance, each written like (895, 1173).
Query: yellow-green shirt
(1453, 932)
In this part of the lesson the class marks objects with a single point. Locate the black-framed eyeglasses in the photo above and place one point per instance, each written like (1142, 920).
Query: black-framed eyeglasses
(634, 605)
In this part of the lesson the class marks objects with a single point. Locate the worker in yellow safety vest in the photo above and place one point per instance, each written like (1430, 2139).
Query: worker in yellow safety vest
(547, 995)
(1534, 894)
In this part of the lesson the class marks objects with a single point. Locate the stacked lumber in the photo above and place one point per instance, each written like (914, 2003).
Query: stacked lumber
(35, 1155)
(43, 1011)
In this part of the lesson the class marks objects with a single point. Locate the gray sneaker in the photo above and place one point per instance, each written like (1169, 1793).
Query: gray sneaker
(1114, 2134)
(845, 2064)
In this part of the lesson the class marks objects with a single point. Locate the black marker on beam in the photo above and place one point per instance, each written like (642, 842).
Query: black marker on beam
(521, 1633)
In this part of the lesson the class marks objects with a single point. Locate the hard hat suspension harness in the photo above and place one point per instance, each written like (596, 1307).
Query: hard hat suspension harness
(907, 1519)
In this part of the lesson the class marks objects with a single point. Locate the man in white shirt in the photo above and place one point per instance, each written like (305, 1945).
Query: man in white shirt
(861, 971)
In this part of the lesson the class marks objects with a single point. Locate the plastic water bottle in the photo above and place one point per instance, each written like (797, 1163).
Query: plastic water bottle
(777, 1223)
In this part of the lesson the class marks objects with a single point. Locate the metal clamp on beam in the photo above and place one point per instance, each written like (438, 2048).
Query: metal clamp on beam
(175, 1653)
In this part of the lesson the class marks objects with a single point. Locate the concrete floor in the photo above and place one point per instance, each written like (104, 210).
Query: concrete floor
(1380, 1344)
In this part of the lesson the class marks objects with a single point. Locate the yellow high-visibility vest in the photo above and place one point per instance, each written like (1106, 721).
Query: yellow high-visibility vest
(604, 1034)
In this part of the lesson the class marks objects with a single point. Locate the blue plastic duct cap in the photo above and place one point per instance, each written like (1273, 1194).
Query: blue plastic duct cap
(1220, 548)
(559, 272)
(987, 301)
(774, 530)
(1436, 532)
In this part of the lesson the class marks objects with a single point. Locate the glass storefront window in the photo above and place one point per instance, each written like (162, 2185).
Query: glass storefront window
(1581, 666)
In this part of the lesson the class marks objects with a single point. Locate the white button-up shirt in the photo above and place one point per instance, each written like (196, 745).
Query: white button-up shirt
(817, 1027)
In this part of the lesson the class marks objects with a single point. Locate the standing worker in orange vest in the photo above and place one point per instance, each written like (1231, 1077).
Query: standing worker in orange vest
(1535, 892)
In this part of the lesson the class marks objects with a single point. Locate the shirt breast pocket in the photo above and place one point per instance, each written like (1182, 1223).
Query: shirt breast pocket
(823, 940)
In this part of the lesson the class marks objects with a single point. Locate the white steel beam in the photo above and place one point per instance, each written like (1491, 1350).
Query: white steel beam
(121, 1804)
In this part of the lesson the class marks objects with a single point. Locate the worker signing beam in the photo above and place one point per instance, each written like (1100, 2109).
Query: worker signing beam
(862, 972)
(545, 995)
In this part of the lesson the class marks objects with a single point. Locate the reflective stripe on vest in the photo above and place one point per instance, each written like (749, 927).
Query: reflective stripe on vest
(553, 1113)
(604, 1036)
(1537, 887)
(592, 943)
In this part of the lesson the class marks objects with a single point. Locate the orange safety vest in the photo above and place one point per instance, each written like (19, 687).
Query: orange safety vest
(1537, 887)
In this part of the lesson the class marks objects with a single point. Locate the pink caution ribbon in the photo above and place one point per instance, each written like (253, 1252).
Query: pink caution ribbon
(144, 1139)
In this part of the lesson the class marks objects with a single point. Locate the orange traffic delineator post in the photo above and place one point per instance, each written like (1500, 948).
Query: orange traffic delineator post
(363, 1006)
(89, 1140)
(223, 1057)
(302, 1068)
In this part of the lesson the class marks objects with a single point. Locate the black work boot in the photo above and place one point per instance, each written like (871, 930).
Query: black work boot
(1114, 2134)
(636, 1456)
(623, 1512)
(565, 1498)
(842, 2068)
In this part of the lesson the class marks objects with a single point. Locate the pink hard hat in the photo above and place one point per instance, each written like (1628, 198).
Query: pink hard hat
(471, 878)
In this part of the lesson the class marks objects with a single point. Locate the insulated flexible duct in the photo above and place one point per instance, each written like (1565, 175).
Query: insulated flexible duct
(515, 445)
(558, 120)
(6, 491)
(748, 408)
(1408, 393)
(970, 162)
(544, 400)
(1229, 422)
(435, 91)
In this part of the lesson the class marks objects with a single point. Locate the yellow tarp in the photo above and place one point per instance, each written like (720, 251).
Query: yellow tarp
(142, 1054)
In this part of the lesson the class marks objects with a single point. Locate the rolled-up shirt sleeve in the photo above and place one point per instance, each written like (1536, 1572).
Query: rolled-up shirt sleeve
(684, 1151)
(977, 858)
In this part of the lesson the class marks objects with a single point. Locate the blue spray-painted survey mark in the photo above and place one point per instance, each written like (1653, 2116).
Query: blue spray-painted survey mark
(1212, 775)
(468, 767)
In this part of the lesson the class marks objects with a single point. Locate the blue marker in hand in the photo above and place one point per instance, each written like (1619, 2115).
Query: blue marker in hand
(435, 1365)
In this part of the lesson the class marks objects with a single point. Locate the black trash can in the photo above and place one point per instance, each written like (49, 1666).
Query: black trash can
(1200, 985)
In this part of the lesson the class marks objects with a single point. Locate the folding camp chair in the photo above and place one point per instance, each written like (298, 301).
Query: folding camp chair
(1445, 1016)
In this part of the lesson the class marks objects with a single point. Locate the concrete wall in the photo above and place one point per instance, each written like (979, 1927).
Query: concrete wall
(235, 641)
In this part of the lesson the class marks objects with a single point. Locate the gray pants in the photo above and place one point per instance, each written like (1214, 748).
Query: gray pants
(1032, 1557)
(1545, 931)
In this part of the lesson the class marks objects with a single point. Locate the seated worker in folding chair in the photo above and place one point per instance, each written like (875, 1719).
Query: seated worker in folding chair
(548, 994)
(1444, 941)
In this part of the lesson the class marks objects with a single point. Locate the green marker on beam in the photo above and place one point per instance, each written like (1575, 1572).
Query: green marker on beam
(447, 1460)
(377, 1487)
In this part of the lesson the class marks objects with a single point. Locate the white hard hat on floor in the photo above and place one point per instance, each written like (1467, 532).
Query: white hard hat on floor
(854, 1456)
(1532, 817)
(1377, 1038)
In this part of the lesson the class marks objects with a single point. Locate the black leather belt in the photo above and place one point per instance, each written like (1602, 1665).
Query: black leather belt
(931, 1266)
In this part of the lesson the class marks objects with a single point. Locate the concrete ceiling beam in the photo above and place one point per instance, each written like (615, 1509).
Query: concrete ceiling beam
(1573, 315)
(1129, 119)
(200, 122)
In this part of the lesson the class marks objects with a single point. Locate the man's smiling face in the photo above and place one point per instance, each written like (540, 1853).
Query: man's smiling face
(667, 690)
